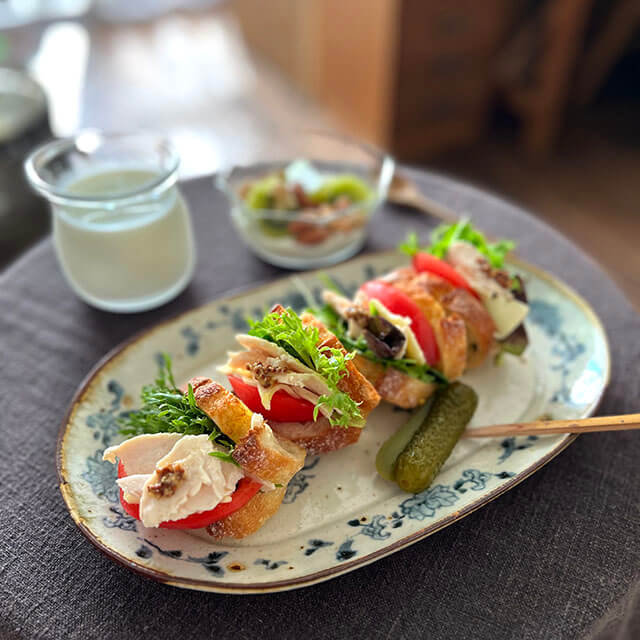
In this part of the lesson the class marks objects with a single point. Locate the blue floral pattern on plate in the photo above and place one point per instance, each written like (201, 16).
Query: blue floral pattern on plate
(420, 506)
(509, 445)
(566, 351)
(300, 481)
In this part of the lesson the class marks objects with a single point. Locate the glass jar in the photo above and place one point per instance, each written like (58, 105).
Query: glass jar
(121, 229)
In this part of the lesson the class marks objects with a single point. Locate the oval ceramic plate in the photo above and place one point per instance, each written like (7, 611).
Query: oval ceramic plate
(338, 514)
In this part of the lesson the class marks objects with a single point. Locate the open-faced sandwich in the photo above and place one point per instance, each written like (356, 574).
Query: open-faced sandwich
(299, 376)
(200, 458)
(420, 326)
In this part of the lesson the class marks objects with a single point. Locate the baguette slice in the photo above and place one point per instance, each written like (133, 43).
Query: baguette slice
(450, 333)
(259, 451)
(320, 436)
(449, 328)
(395, 386)
(480, 327)
(250, 518)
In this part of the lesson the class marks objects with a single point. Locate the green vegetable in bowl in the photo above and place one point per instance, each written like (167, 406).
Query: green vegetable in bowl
(347, 185)
(301, 186)
(260, 194)
(274, 228)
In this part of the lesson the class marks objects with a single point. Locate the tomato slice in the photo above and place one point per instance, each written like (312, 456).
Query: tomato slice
(431, 264)
(245, 490)
(284, 408)
(401, 304)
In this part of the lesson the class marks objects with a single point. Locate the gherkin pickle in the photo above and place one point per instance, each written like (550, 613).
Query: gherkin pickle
(419, 463)
(395, 445)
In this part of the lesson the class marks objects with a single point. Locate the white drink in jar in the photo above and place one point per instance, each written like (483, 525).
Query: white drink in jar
(121, 230)
(126, 258)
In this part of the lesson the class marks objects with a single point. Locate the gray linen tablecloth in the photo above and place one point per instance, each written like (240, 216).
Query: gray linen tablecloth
(557, 557)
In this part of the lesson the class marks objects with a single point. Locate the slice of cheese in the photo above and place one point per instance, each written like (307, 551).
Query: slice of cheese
(507, 313)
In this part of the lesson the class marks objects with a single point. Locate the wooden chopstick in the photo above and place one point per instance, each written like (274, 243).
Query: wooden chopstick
(543, 427)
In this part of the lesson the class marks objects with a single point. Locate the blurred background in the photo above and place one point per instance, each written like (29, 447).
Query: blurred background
(537, 100)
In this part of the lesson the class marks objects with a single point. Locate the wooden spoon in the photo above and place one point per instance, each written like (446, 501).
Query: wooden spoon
(403, 192)
(544, 427)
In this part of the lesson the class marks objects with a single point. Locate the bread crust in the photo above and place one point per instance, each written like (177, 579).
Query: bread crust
(395, 386)
(462, 327)
(250, 518)
(479, 324)
(319, 436)
(258, 450)
(449, 328)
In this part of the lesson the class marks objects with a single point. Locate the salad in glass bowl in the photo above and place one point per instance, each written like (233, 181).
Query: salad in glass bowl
(310, 211)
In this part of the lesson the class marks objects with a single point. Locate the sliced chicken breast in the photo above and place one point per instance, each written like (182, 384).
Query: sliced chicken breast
(140, 454)
(187, 480)
(182, 480)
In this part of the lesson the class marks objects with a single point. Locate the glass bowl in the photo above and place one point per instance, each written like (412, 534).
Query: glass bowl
(307, 201)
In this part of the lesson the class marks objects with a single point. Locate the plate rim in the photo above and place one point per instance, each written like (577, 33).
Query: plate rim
(322, 575)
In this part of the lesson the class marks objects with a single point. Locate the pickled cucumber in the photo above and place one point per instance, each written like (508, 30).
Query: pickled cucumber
(393, 447)
(419, 463)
